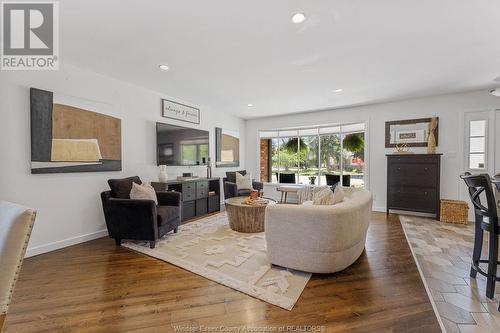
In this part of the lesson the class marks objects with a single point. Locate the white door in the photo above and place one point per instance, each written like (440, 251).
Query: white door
(497, 142)
(479, 144)
(480, 147)
(497, 152)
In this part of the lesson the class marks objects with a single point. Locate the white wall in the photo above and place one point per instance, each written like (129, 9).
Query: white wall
(449, 108)
(497, 142)
(69, 207)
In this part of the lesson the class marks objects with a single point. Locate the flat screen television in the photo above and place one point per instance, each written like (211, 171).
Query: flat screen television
(180, 146)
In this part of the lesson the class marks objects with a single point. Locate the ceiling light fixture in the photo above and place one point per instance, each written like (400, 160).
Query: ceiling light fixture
(339, 90)
(249, 105)
(298, 18)
(164, 67)
(495, 92)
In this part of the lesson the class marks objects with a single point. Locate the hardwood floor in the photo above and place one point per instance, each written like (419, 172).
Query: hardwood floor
(98, 287)
(2, 319)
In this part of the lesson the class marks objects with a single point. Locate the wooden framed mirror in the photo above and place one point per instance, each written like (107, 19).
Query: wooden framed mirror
(412, 132)
(227, 146)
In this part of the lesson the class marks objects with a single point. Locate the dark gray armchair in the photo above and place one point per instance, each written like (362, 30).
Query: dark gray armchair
(139, 219)
(231, 189)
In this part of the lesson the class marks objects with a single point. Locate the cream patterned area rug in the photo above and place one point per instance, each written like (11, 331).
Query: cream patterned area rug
(443, 254)
(209, 248)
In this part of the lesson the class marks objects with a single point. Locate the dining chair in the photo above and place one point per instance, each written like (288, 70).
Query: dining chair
(16, 223)
(486, 220)
(332, 179)
(286, 178)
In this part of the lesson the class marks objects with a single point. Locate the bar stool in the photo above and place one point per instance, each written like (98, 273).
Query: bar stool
(486, 220)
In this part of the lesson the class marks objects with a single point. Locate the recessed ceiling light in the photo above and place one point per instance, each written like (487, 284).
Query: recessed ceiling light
(164, 67)
(298, 18)
(495, 92)
(249, 105)
(339, 90)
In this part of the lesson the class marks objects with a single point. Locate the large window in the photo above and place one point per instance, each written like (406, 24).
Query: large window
(285, 158)
(318, 155)
(330, 158)
(308, 158)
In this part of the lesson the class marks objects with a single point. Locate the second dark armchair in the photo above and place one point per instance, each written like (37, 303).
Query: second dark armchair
(139, 219)
(231, 189)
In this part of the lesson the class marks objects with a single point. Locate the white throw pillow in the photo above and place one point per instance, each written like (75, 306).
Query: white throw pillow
(328, 197)
(244, 182)
(143, 192)
(324, 197)
(338, 195)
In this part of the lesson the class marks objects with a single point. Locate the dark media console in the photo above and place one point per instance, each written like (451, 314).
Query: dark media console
(200, 196)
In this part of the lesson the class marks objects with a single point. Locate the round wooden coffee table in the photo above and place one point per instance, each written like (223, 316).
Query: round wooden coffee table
(246, 218)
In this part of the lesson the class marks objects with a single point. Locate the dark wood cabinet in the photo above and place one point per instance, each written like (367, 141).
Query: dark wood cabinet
(213, 204)
(199, 196)
(201, 206)
(201, 189)
(413, 182)
(188, 210)
(188, 191)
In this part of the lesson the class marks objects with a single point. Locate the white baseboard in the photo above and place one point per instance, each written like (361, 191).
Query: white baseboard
(404, 212)
(36, 250)
(379, 209)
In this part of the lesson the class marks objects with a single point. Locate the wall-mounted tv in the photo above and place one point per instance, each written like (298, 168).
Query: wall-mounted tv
(178, 145)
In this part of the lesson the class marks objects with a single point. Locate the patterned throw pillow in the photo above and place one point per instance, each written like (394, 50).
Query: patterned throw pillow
(328, 197)
(338, 195)
(143, 192)
(244, 182)
(323, 197)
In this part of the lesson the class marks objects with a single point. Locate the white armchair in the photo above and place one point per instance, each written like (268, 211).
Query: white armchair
(319, 239)
(16, 223)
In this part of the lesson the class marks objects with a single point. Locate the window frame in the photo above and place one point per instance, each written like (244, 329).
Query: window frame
(318, 134)
(485, 152)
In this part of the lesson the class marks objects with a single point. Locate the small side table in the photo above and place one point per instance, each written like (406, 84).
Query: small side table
(285, 189)
(246, 218)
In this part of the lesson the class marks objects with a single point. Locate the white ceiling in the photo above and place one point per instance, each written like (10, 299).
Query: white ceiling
(228, 53)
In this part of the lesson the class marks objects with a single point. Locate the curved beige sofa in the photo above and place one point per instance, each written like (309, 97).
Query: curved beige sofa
(319, 239)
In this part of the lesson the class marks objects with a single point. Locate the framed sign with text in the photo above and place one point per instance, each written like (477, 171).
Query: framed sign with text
(178, 111)
(412, 132)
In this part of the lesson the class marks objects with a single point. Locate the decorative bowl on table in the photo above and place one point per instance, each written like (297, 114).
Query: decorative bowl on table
(255, 201)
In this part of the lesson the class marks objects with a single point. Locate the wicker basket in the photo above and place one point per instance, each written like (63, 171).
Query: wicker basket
(454, 211)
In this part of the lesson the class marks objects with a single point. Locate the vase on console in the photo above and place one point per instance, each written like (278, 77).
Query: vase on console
(162, 176)
(209, 168)
(431, 140)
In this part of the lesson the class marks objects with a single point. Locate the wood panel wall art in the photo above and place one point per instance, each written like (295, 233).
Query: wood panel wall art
(65, 138)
